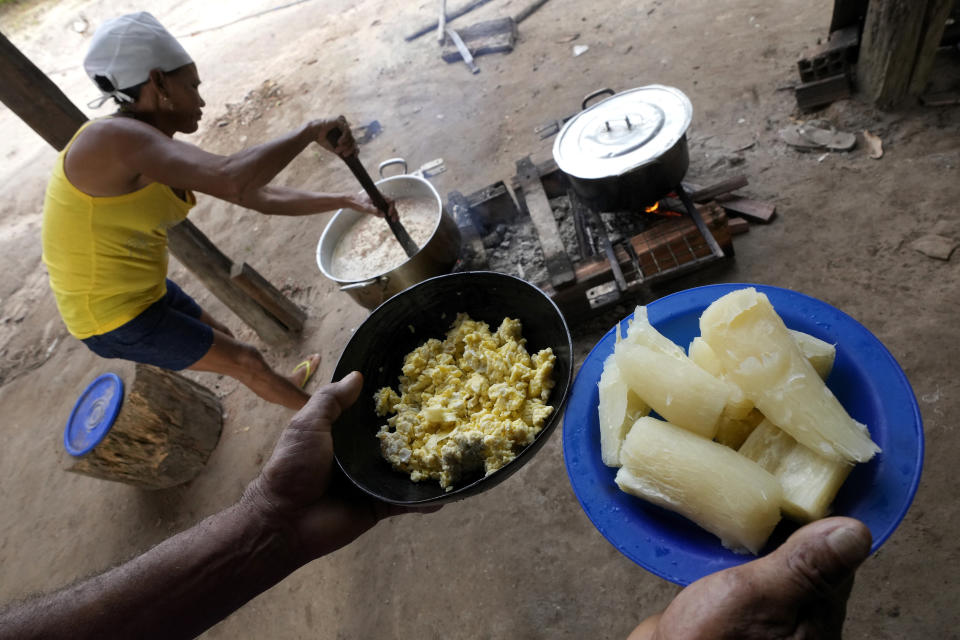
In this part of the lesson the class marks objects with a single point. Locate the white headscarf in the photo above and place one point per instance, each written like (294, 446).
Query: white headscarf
(124, 50)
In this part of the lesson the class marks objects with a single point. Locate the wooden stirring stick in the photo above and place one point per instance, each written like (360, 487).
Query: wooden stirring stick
(353, 162)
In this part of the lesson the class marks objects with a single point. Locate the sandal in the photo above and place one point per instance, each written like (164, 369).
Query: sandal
(817, 135)
(304, 365)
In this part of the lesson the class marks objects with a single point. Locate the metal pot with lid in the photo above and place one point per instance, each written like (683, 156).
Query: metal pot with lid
(628, 150)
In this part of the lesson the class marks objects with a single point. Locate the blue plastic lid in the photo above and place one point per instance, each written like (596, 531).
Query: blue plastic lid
(93, 414)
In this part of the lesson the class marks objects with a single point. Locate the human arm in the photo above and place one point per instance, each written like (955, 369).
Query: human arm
(129, 153)
(294, 511)
(798, 591)
(285, 201)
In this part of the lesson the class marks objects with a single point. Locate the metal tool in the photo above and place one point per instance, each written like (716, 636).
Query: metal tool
(464, 51)
(442, 24)
(354, 164)
(610, 253)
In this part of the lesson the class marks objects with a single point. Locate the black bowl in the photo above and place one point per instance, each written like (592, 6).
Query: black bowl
(403, 323)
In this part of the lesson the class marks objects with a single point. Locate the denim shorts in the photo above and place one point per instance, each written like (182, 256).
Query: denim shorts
(168, 334)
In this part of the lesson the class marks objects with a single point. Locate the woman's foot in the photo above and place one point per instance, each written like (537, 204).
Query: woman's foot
(303, 371)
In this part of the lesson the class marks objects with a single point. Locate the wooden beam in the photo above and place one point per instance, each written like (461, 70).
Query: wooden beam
(204, 260)
(895, 55)
(30, 94)
(752, 210)
(554, 253)
(706, 194)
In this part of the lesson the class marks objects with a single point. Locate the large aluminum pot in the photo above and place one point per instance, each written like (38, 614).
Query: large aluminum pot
(628, 150)
(434, 258)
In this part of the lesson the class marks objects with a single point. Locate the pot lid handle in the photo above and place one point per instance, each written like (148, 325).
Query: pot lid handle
(596, 94)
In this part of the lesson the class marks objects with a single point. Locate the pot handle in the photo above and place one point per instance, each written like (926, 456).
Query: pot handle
(390, 162)
(383, 280)
(596, 94)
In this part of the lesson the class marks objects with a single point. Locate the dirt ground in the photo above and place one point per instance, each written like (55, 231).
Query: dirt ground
(521, 560)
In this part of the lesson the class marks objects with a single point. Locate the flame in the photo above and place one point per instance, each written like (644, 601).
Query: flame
(653, 208)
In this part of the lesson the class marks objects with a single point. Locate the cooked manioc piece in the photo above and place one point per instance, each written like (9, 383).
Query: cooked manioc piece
(732, 432)
(818, 352)
(759, 355)
(809, 482)
(619, 409)
(739, 405)
(643, 333)
(767, 446)
(674, 387)
(712, 485)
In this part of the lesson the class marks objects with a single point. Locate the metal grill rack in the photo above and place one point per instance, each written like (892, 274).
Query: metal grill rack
(541, 231)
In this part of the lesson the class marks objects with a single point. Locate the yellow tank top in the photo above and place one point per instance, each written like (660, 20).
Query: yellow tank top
(107, 257)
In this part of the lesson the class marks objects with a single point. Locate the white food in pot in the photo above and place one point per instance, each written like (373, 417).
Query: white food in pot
(368, 248)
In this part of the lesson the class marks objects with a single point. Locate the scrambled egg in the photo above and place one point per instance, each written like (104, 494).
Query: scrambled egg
(467, 403)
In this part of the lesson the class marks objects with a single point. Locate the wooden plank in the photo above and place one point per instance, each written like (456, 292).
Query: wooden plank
(204, 260)
(257, 287)
(36, 100)
(701, 195)
(738, 226)
(752, 210)
(554, 253)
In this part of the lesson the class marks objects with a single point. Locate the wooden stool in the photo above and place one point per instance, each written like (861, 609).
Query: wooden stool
(160, 435)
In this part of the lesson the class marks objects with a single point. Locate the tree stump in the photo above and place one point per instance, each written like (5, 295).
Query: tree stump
(163, 436)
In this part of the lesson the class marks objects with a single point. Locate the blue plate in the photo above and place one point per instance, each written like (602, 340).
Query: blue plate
(865, 378)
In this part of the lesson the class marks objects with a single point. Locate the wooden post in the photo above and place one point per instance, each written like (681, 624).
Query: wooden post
(166, 430)
(29, 93)
(934, 25)
(213, 269)
(900, 39)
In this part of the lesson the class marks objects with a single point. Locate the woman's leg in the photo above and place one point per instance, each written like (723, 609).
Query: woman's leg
(207, 319)
(245, 363)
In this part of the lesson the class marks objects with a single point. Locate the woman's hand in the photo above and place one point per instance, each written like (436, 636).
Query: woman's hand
(361, 202)
(338, 130)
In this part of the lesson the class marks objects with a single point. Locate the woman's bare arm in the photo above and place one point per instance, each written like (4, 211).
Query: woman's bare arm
(126, 151)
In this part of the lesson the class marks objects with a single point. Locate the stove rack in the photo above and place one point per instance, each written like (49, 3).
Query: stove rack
(602, 269)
